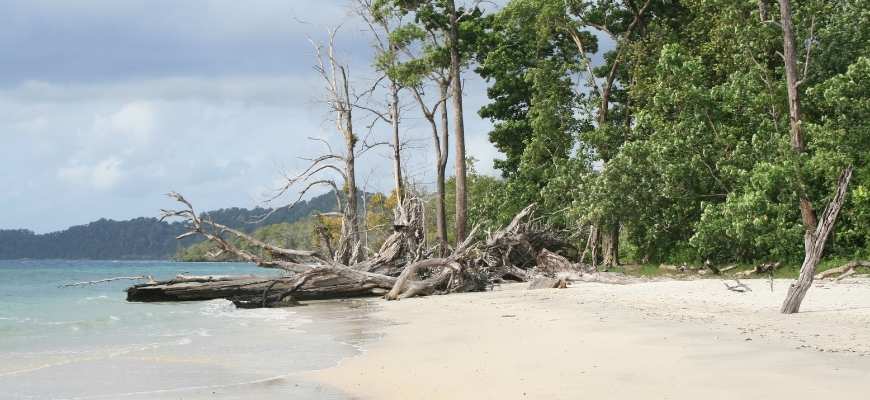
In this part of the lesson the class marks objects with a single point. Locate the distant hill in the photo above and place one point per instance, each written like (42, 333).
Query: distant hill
(140, 238)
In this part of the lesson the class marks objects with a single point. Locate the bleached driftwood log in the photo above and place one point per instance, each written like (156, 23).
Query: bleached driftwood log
(315, 284)
(398, 269)
(841, 272)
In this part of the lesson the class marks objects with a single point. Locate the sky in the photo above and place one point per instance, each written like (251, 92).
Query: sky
(106, 105)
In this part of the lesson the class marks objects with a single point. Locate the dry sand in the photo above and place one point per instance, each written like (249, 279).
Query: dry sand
(657, 340)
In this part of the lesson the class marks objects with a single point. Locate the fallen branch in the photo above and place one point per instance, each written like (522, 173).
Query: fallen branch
(766, 268)
(118, 278)
(728, 268)
(840, 272)
(740, 287)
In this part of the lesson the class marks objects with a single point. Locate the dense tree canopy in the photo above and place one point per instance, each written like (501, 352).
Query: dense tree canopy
(692, 160)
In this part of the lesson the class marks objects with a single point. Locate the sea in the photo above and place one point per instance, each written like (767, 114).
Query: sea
(88, 342)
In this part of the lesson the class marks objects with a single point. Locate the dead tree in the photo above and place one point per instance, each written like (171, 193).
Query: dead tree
(400, 269)
(321, 170)
(815, 231)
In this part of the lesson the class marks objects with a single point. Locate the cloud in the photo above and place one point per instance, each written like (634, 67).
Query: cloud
(101, 176)
(106, 105)
(134, 121)
(101, 40)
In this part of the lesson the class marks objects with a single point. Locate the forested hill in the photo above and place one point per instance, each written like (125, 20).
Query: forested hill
(140, 238)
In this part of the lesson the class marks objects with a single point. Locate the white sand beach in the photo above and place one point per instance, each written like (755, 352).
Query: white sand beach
(657, 340)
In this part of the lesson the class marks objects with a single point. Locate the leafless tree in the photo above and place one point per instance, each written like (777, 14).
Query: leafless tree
(341, 105)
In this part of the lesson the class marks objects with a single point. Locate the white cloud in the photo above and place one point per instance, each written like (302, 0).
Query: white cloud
(213, 98)
(101, 176)
(134, 121)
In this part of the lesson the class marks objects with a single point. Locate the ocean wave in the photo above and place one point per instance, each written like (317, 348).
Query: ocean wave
(202, 332)
(225, 309)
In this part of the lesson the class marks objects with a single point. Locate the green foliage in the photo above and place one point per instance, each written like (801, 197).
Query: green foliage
(693, 160)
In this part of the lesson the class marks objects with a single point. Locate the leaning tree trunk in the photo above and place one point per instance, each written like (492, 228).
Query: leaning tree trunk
(816, 232)
(814, 244)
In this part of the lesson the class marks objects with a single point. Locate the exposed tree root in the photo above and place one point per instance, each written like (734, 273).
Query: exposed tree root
(521, 251)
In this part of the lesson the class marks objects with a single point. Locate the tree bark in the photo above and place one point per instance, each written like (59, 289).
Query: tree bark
(459, 124)
(816, 232)
(319, 283)
(441, 172)
(814, 244)
(808, 215)
(349, 252)
(397, 154)
(610, 246)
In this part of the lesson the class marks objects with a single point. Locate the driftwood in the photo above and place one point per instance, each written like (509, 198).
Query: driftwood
(738, 287)
(521, 251)
(728, 268)
(147, 278)
(712, 268)
(399, 269)
(844, 271)
(318, 283)
(547, 283)
(611, 278)
(673, 268)
(766, 268)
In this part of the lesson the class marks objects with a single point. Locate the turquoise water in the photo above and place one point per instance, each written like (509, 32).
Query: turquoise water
(89, 343)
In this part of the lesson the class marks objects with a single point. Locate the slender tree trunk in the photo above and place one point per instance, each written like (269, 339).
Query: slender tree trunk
(593, 245)
(441, 171)
(816, 232)
(351, 251)
(459, 124)
(397, 154)
(351, 219)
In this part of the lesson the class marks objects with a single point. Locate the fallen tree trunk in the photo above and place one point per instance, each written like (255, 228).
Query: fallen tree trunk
(509, 253)
(319, 283)
(547, 283)
(840, 272)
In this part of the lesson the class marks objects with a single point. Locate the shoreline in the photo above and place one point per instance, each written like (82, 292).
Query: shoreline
(669, 339)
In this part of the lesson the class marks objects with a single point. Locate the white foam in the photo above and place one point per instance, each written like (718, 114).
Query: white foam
(280, 317)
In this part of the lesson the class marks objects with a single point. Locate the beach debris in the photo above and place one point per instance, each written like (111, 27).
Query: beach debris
(843, 271)
(147, 278)
(728, 268)
(544, 282)
(738, 287)
(709, 267)
(764, 268)
(524, 250)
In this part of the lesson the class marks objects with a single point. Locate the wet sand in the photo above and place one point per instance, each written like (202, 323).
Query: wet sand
(658, 340)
